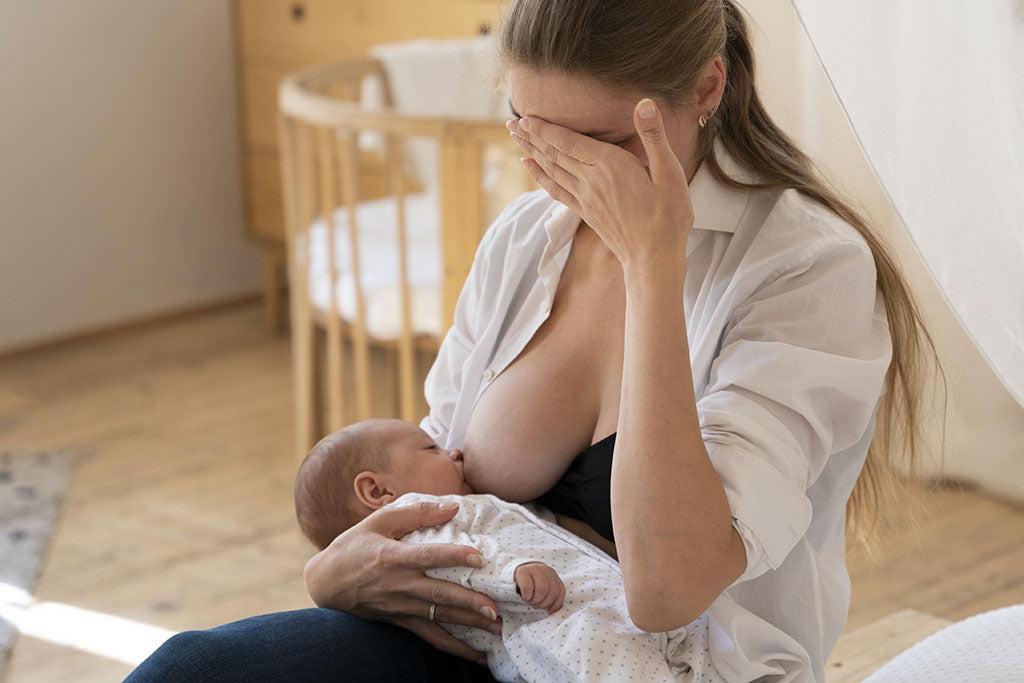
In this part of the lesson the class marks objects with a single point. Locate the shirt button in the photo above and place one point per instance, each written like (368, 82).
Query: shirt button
(488, 375)
(545, 306)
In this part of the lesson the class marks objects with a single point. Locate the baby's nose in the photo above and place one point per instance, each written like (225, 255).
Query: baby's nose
(455, 454)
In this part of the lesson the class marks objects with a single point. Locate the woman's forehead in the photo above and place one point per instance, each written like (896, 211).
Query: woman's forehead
(578, 103)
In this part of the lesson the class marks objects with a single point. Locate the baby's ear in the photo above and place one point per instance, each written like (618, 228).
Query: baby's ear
(371, 491)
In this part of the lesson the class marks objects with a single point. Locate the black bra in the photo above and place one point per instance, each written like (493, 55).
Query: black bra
(584, 491)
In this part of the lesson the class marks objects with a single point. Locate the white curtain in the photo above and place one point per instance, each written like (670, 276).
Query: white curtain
(934, 90)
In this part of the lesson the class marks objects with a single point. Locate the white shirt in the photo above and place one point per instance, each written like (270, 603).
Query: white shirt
(789, 347)
(591, 638)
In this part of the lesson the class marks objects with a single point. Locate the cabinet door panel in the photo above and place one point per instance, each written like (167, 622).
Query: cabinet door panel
(263, 197)
(259, 107)
(292, 33)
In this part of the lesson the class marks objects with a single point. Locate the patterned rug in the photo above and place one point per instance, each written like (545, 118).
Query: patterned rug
(32, 489)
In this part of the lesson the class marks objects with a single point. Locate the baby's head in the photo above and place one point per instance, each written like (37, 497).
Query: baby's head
(365, 466)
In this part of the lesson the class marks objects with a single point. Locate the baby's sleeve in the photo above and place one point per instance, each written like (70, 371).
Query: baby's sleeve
(491, 526)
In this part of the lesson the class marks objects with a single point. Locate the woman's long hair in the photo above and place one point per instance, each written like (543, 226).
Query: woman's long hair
(661, 48)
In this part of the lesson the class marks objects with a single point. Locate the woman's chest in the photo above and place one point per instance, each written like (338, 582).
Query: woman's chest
(561, 392)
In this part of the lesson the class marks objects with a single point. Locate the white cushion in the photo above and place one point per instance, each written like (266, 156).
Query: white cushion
(378, 263)
(448, 77)
(988, 647)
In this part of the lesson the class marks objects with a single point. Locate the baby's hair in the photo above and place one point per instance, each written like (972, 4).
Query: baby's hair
(325, 502)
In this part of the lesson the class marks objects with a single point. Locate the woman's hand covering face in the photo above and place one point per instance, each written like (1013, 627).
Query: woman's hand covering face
(642, 214)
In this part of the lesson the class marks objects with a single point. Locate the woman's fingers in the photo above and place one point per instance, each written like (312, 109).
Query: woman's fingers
(396, 522)
(457, 615)
(562, 156)
(425, 556)
(569, 170)
(441, 639)
(555, 170)
(460, 604)
(557, 192)
(580, 149)
(664, 165)
(448, 614)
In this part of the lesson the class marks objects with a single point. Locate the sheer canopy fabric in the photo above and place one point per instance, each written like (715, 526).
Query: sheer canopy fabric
(935, 93)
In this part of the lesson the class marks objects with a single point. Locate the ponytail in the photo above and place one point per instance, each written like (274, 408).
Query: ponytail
(752, 138)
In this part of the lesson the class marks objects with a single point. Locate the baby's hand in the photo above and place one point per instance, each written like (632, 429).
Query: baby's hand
(540, 586)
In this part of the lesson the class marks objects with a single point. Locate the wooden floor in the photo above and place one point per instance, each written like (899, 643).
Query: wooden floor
(180, 515)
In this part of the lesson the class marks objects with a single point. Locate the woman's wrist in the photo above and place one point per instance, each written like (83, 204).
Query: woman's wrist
(661, 269)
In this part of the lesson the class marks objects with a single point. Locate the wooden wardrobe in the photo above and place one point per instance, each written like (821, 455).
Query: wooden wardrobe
(276, 37)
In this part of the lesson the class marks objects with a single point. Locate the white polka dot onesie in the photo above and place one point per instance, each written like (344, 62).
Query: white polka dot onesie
(591, 638)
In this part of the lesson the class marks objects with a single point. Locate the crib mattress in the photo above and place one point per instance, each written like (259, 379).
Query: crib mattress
(988, 647)
(378, 263)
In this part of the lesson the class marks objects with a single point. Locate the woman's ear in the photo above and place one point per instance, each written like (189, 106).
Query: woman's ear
(372, 490)
(711, 84)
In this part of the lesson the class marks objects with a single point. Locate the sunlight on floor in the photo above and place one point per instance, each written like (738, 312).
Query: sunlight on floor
(101, 634)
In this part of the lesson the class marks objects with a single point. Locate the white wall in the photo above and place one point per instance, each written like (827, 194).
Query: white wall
(985, 425)
(120, 181)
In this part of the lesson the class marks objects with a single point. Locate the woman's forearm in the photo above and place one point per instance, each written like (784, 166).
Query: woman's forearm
(670, 515)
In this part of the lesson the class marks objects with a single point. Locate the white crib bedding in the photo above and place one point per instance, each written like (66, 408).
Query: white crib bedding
(378, 263)
(986, 647)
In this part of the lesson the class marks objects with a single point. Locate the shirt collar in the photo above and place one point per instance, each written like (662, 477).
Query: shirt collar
(715, 206)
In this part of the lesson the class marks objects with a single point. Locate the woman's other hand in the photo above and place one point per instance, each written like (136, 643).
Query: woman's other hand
(643, 214)
(367, 572)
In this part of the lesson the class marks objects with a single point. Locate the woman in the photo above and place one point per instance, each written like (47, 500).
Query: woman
(682, 356)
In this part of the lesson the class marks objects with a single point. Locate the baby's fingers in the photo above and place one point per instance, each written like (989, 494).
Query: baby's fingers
(525, 585)
(549, 599)
(555, 595)
(543, 591)
(559, 598)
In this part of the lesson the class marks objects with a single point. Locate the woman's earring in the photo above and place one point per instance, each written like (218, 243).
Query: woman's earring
(703, 120)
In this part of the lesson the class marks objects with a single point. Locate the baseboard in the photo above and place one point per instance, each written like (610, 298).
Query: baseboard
(137, 322)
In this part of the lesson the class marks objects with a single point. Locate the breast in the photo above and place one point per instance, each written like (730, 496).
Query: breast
(561, 393)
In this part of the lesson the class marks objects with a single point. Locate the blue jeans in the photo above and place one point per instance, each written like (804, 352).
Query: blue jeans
(304, 645)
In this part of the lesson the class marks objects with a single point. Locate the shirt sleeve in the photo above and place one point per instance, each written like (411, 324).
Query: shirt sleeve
(444, 380)
(799, 374)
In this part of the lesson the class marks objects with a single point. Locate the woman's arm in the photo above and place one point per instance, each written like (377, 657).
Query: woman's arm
(797, 378)
(673, 530)
(671, 516)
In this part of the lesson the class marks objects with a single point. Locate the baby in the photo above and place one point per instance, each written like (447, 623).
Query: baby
(561, 599)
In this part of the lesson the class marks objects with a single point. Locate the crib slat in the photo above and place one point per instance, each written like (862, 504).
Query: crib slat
(312, 97)
(406, 357)
(461, 215)
(348, 152)
(307, 414)
(335, 371)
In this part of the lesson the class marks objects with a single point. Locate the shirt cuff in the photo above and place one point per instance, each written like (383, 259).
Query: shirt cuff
(768, 511)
